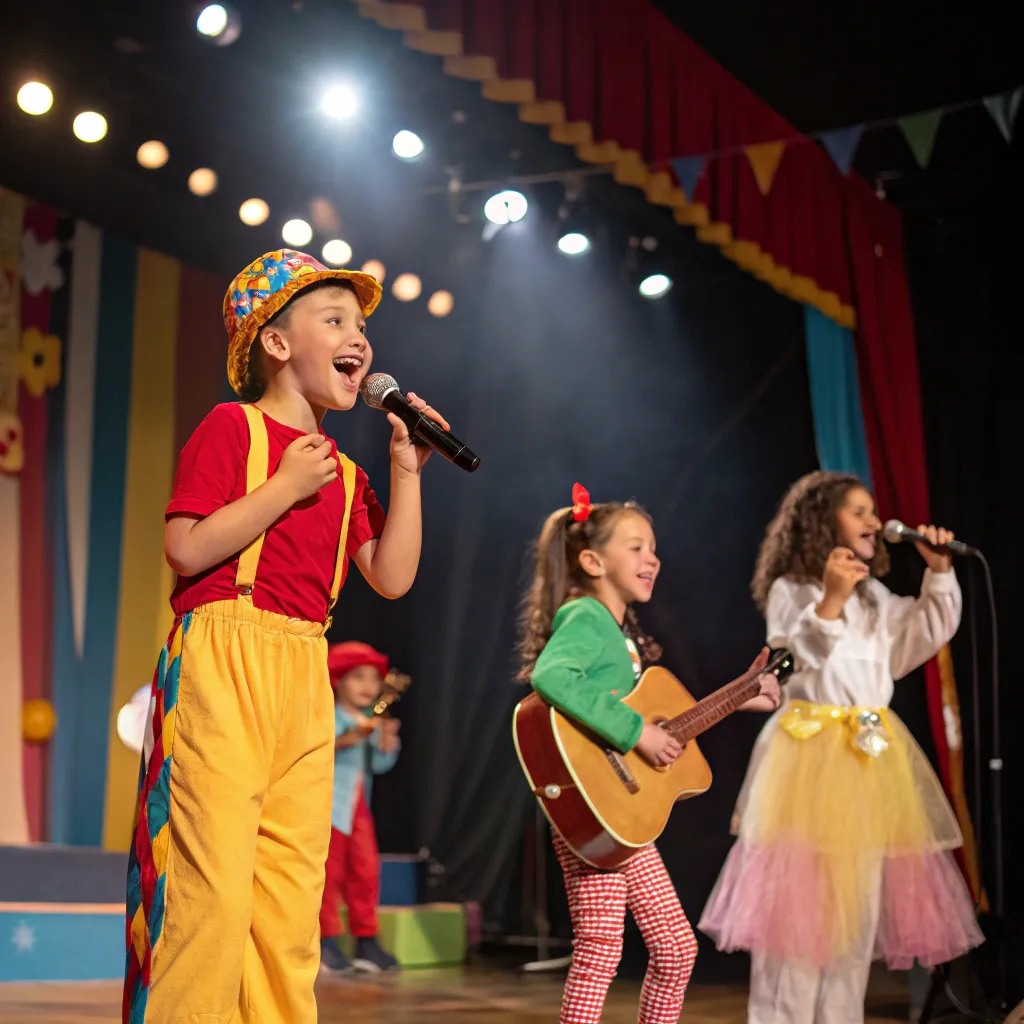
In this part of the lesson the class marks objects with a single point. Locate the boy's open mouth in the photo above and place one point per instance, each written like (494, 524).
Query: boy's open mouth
(348, 365)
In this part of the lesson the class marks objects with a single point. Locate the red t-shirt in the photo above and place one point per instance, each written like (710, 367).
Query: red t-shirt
(296, 566)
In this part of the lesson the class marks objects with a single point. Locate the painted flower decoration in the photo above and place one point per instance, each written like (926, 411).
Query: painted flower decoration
(12, 446)
(39, 361)
(39, 267)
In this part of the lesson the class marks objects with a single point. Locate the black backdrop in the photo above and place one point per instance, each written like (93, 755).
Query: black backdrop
(555, 371)
(966, 271)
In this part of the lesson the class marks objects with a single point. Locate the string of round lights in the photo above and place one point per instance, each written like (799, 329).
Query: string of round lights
(221, 24)
(36, 98)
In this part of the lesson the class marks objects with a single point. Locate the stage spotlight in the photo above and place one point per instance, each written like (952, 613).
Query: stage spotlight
(339, 102)
(297, 232)
(35, 98)
(202, 182)
(440, 304)
(337, 252)
(573, 243)
(407, 145)
(152, 154)
(375, 269)
(90, 126)
(406, 287)
(653, 286)
(220, 23)
(506, 207)
(253, 212)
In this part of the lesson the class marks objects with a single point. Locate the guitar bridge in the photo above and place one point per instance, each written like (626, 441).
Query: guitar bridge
(621, 769)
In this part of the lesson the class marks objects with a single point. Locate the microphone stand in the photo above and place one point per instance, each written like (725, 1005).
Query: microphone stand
(941, 975)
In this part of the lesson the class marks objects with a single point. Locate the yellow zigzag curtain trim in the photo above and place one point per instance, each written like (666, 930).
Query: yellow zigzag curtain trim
(628, 165)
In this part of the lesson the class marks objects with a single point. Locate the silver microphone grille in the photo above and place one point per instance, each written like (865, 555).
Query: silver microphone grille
(893, 531)
(375, 387)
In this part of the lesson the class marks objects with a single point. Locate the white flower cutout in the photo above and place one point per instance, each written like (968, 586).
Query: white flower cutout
(39, 268)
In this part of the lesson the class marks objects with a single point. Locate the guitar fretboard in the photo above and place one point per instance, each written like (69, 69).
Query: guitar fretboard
(716, 706)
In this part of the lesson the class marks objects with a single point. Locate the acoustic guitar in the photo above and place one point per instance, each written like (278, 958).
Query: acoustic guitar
(607, 805)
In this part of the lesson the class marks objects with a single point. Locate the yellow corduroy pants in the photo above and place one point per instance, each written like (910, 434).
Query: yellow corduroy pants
(239, 862)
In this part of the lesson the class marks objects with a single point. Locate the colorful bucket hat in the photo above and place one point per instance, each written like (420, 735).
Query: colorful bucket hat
(343, 658)
(265, 286)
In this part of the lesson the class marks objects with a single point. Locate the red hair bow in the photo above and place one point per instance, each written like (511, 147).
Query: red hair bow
(581, 507)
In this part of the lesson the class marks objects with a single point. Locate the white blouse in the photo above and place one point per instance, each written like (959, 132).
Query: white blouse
(855, 658)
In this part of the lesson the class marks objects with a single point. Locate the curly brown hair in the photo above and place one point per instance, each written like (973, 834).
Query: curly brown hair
(799, 539)
(558, 577)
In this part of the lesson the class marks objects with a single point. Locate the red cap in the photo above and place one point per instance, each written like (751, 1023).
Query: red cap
(342, 658)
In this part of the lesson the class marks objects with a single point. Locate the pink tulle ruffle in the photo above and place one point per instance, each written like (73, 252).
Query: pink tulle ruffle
(926, 912)
(774, 900)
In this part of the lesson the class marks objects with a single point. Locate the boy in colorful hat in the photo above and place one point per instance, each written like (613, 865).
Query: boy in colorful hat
(226, 870)
(365, 746)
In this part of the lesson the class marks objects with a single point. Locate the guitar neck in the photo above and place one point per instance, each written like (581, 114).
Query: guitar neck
(713, 708)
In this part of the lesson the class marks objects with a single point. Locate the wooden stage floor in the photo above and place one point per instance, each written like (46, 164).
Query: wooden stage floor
(455, 996)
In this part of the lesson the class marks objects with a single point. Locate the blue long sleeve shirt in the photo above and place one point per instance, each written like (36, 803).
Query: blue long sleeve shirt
(355, 764)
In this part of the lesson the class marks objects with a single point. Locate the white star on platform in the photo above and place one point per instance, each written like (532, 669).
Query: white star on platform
(23, 937)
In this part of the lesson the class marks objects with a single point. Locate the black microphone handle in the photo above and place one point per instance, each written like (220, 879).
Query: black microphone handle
(426, 431)
(954, 547)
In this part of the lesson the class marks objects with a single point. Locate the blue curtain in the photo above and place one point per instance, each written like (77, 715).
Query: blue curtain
(835, 396)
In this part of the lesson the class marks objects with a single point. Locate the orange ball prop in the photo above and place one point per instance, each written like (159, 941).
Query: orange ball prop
(38, 720)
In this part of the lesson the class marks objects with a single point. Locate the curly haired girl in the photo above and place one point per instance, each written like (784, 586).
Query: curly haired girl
(844, 833)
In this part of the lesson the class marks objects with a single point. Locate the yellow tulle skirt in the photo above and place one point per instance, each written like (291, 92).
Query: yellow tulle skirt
(844, 840)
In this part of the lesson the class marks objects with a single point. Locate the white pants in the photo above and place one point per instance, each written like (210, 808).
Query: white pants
(797, 992)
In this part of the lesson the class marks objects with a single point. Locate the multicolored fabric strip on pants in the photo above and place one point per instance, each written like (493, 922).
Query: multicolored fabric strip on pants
(147, 859)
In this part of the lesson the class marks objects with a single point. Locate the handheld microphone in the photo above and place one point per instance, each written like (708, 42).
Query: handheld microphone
(381, 391)
(896, 532)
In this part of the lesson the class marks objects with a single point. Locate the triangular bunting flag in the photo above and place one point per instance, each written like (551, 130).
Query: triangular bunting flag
(1004, 108)
(920, 131)
(688, 170)
(841, 144)
(764, 162)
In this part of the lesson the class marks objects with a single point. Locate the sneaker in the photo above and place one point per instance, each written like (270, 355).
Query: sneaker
(371, 958)
(332, 960)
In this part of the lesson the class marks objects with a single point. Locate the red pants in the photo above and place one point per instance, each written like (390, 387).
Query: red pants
(353, 876)
(597, 903)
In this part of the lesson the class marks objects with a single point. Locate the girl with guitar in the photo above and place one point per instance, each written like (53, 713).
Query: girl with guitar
(582, 649)
(366, 744)
(844, 832)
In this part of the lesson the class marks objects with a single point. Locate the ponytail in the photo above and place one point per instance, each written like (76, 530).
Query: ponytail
(547, 593)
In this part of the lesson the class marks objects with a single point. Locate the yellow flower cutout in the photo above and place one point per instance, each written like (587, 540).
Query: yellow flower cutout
(12, 446)
(39, 361)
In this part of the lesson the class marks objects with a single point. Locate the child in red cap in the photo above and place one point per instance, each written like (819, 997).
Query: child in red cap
(365, 746)
(226, 870)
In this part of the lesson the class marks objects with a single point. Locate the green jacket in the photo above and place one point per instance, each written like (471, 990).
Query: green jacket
(585, 670)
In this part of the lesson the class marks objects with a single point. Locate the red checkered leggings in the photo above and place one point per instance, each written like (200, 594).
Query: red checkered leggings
(598, 902)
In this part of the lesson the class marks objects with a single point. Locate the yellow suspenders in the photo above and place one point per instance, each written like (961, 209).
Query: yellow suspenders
(256, 472)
